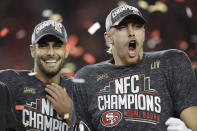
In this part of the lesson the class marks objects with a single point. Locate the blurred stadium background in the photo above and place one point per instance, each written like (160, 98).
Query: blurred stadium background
(171, 24)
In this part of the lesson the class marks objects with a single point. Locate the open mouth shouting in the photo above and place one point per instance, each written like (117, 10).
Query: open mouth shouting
(132, 48)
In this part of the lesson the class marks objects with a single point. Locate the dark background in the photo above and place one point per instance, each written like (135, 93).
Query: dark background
(173, 24)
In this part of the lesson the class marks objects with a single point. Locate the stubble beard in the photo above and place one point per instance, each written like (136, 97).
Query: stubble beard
(49, 73)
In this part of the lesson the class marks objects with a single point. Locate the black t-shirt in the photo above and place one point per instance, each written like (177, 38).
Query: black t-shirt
(8, 120)
(135, 98)
(33, 110)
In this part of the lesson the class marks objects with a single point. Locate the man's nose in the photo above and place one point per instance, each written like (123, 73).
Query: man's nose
(50, 50)
(131, 30)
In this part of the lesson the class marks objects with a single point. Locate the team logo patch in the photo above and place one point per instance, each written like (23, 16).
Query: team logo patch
(58, 29)
(29, 90)
(136, 12)
(111, 118)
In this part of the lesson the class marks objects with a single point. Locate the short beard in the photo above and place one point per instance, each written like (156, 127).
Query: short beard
(49, 74)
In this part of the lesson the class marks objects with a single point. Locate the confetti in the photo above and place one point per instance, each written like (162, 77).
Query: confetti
(75, 80)
(155, 33)
(47, 13)
(66, 116)
(143, 4)
(90, 59)
(19, 107)
(4, 32)
(55, 17)
(32, 73)
(20, 34)
(94, 28)
(180, 0)
(191, 53)
(151, 44)
(120, 3)
(72, 40)
(87, 24)
(183, 45)
(76, 51)
(189, 12)
(159, 6)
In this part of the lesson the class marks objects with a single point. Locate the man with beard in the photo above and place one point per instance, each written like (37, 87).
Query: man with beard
(40, 95)
(136, 90)
(8, 120)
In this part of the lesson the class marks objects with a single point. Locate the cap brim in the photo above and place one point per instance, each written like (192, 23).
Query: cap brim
(142, 19)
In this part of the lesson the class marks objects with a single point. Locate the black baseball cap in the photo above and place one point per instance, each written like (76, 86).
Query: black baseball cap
(49, 27)
(120, 13)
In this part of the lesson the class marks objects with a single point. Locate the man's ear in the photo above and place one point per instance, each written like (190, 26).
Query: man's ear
(108, 38)
(32, 50)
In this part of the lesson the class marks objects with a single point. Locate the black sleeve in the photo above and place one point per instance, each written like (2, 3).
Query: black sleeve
(80, 105)
(8, 118)
(183, 82)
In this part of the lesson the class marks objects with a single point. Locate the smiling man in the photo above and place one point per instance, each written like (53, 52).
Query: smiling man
(136, 90)
(40, 95)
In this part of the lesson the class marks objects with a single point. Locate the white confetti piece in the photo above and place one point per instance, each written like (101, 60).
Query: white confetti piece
(32, 73)
(78, 80)
(94, 28)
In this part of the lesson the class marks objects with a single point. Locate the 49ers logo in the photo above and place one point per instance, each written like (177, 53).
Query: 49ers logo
(111, 118)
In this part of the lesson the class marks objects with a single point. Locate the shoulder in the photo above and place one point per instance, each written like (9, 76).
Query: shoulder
(169, 55)
(12, 72)
(10, 75)
(176, 57)
(7, 71)
(174, 53)
(164, 53)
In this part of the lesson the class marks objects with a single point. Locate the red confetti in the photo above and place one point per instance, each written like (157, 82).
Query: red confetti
(180, 0)
(76, 51)
(191, 53)
(20, 34)
(89, 58)
(4, 32)
(87, 24)
(72, 40)
(155, 33)
(181, 44)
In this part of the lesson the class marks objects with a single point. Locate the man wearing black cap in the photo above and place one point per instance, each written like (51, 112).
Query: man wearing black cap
(40, 95)
(136, 91)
